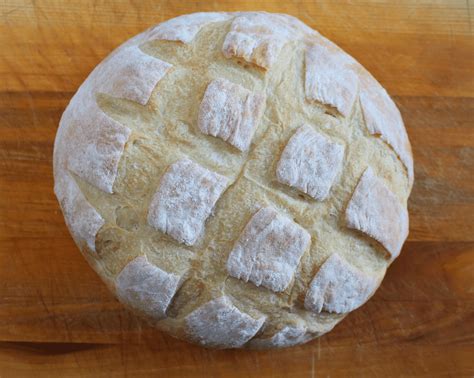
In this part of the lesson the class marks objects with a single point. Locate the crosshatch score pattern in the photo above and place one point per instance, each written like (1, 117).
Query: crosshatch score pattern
(235, 178)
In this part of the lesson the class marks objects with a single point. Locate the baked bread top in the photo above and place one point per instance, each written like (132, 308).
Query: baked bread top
(235, 178)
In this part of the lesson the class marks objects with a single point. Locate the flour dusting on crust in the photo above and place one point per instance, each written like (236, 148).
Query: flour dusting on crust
(310, 162)
(230, 112)
(269, 250)
(338, 287)
(147, 288)
(82, 219)
(330, 79)
(185, 28)
(96, 151)
(286, 337)
(131, 74)
(220, 324)
(259, 37)
(184, 200)
(376, 211)
(383, 118)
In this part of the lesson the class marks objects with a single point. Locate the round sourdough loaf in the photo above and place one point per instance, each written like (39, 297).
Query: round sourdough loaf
(235, 178)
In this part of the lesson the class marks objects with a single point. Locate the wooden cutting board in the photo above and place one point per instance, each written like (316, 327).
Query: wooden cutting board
(58, 319)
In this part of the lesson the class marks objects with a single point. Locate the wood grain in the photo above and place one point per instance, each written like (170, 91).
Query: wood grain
(79, 360)
(56, 317)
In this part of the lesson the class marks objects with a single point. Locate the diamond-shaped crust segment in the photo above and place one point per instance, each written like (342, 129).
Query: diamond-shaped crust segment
(259, 37)
(376, 211)
(230, 112)
(286, 337)
(338, 287)
(147, 288)
(185, 28)
(269, 250)
(184, 200)
(310, 162)
(330, 79)
(95, 153)
(82, 219)
(220, 324)
(131, 74)
(383, 118)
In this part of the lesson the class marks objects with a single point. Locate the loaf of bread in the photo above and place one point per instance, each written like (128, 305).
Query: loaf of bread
(235, 178)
